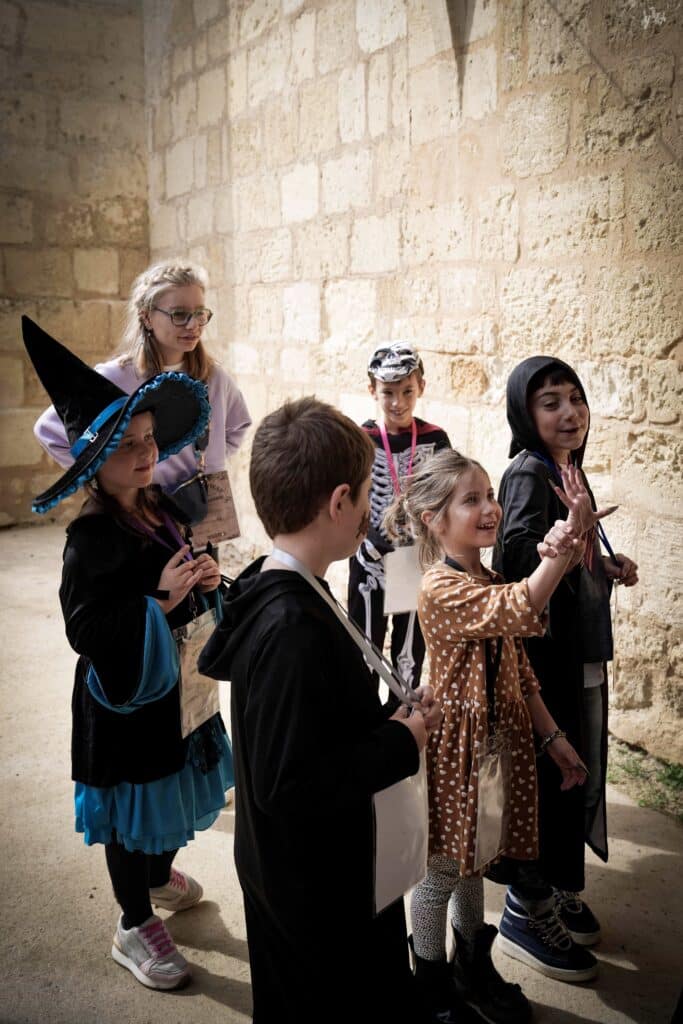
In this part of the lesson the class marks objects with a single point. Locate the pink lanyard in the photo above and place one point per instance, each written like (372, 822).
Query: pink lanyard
(390, 456)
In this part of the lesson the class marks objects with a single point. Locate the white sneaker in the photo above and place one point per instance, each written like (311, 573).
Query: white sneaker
(180, 892)
(150, 953)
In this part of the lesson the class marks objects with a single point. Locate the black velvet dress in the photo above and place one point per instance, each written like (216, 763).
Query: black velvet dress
(128, 752)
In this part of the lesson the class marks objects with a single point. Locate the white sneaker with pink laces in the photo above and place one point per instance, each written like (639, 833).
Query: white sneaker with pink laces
(180, 892)
(150, 953)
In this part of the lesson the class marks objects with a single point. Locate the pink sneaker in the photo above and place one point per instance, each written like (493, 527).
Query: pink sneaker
(150, 953)
(180, 892)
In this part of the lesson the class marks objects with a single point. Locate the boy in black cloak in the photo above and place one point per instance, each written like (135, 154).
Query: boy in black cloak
(548, 413)
(312, 742)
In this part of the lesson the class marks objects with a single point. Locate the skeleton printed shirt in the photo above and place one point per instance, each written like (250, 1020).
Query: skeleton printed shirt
(430, 439)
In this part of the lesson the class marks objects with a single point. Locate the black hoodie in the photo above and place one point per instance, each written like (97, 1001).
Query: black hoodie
(579, 625)
(311, 745)
(524, 432)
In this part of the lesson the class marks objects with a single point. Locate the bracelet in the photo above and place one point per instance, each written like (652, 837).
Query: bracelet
(161, 595)
(550, 738)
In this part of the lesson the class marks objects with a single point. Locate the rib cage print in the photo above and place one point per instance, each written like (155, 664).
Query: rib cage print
(382, 492)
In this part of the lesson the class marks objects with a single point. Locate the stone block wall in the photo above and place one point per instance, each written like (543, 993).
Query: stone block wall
(487, 178)
(73, 201)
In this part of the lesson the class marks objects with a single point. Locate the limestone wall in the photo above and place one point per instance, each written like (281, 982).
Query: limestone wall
(487, 180)
(73, 201)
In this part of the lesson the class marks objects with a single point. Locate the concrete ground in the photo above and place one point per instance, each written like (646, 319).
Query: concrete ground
(58, 912)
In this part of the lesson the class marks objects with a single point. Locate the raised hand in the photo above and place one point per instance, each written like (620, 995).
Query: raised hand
(560, 540)
(576, 499)
(178, 577)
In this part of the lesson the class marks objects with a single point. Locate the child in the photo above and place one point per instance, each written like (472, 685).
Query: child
(548, 413)
(487, 689)
(312, 741)
(128, 580)
(165, 320)
(402, 443)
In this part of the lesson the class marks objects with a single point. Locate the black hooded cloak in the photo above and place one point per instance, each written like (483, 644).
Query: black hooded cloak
(311, 744)
(579, 629)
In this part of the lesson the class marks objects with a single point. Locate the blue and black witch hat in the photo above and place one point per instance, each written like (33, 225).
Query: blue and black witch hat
(95, 412)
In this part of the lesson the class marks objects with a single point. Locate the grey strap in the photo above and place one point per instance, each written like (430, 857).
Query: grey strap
(398, 686)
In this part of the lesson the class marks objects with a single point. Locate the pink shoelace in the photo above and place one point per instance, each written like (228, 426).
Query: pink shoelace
(157, 937)
(178, 880)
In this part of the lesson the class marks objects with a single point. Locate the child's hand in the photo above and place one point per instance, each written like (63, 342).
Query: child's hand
(430, 708)
(575, 497)
(210, 573)
(413, 720)
(574, 771)
(559, 540)
(626, 572)
(178, 577)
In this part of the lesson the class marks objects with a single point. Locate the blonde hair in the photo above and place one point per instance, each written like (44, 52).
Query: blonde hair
(429, 489)
(139, 344)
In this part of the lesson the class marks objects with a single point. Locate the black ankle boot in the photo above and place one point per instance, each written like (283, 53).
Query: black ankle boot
(479, 984)
(436, 992)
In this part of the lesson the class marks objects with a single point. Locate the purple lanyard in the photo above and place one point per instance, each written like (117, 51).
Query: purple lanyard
(390, 457)
(172, 529)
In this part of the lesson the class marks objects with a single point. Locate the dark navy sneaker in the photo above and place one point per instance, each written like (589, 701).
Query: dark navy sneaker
(581, 922)
(543, 943)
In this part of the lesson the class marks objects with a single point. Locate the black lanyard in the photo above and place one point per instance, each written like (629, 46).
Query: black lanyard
(493, 654)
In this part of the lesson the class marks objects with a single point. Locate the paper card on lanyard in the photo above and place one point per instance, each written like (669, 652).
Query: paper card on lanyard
(401, 814)
(199, 697)
(402, 575)
(220, 522)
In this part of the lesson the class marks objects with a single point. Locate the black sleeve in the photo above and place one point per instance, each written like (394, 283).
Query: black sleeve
(442, 441)
(105, 617)
(293, 745)
(526, 520)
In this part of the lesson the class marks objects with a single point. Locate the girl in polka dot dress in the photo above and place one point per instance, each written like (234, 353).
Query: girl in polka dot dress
(468, 615)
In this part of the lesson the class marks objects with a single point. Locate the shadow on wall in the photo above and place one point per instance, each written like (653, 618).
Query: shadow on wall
(460, 16)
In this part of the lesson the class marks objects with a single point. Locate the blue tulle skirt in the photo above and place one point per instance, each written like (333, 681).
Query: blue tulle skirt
(156, 816)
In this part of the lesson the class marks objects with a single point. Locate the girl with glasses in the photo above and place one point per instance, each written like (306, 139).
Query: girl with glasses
(166, 316)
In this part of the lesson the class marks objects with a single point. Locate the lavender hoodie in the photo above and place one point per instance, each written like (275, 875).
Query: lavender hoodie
(229, 421)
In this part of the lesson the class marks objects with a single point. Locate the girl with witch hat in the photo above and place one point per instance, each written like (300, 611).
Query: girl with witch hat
(545, 917)
(144, 784)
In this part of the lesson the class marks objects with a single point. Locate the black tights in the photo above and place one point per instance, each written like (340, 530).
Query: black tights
(132, 876)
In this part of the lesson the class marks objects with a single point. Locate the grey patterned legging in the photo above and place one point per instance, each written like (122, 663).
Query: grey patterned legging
(442, 890)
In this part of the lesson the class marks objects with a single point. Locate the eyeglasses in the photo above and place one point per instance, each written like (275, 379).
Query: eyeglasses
(182, 317)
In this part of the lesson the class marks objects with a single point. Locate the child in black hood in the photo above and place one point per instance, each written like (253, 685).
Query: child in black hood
(312, 743)
(548, 413)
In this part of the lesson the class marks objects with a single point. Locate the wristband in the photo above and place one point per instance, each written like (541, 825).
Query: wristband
(550, 738)
(161, 595)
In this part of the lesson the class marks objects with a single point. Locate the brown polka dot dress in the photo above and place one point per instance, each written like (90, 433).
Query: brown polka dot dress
(457, 614)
